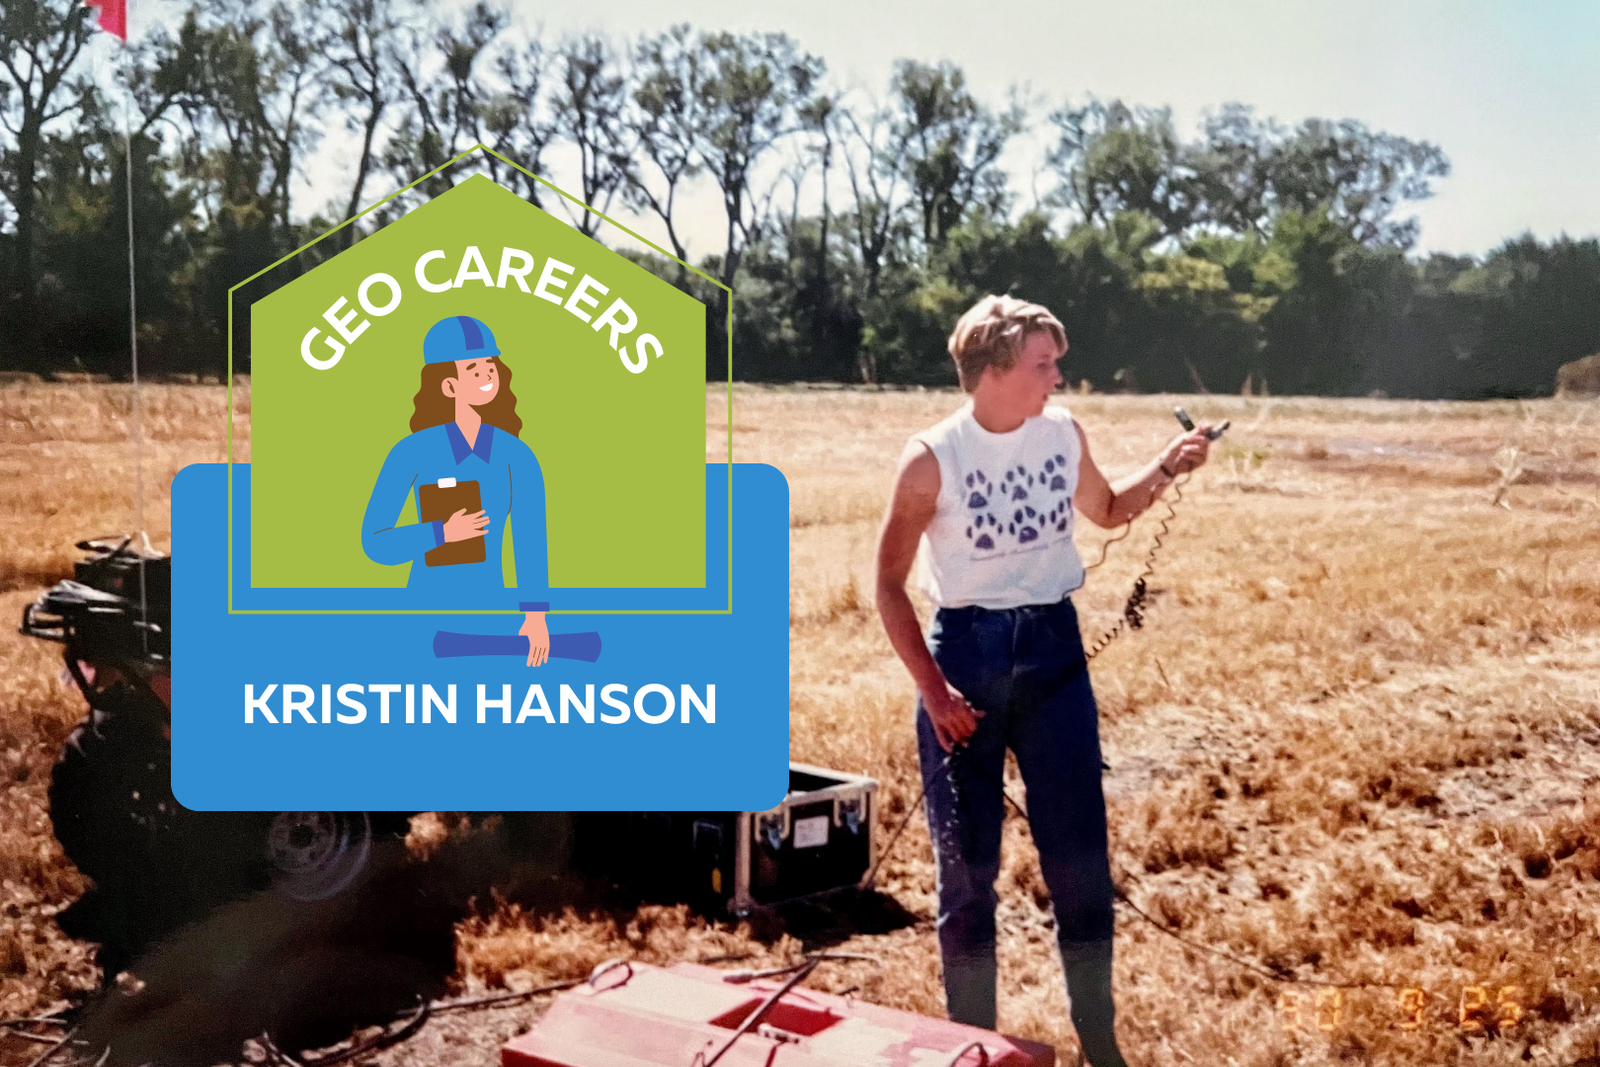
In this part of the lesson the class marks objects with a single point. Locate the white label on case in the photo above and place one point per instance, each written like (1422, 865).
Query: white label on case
(809, 833)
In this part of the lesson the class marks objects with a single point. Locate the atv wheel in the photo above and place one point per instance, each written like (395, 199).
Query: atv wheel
(318, 854)
(157, 865)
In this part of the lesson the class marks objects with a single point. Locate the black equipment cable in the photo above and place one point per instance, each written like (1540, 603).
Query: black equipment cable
(871, 879)
(800, 975)
(1133, 612)
(50, 1052)
(1122, 895)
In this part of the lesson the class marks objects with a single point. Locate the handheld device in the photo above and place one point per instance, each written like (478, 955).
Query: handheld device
(1188, 424)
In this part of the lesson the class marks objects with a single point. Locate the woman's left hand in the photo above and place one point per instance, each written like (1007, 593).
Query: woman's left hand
(538, 635)
(1187, 451)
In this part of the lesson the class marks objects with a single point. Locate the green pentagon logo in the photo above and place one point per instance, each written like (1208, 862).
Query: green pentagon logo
(598, 370)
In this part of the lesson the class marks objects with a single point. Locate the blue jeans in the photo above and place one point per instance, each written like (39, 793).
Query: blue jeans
(1024, 668)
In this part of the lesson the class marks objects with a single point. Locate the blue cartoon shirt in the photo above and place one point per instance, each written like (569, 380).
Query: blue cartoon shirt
(511, 489)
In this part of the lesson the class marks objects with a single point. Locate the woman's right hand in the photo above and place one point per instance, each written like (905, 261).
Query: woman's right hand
(1186, 451)
(461, 525)
(954, 720)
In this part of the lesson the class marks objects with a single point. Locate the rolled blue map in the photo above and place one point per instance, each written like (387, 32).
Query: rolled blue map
(581, 646)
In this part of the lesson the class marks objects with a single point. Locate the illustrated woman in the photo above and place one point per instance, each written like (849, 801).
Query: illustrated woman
(464, 429)
(989, 496)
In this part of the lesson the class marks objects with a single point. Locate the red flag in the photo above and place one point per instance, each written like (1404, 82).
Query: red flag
(113, 16)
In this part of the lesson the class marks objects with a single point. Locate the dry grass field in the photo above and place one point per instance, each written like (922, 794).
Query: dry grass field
(1357, 742)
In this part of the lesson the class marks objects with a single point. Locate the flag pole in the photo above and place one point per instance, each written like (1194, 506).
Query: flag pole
(133, 346)
(133, 335)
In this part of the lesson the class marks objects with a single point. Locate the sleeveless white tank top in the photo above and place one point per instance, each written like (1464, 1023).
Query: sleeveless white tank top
(1001, 535)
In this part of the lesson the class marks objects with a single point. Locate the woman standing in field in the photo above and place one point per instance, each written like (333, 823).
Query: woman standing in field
(988, 496)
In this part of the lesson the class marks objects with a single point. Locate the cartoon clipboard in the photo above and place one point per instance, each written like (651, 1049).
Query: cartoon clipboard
(439, 501)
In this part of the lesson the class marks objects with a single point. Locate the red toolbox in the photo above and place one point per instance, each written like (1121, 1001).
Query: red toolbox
(636, 1015)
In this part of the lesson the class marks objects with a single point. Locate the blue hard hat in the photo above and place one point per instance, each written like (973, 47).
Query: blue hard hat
(458, 337)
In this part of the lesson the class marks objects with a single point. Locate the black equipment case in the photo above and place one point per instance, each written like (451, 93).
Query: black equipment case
(821, 838)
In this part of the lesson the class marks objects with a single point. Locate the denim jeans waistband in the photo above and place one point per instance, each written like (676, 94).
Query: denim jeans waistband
(976, 611)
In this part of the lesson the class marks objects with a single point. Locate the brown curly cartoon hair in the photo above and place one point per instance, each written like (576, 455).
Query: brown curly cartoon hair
(430, 407)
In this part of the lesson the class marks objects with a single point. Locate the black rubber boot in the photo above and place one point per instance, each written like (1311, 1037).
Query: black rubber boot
(1088, 968)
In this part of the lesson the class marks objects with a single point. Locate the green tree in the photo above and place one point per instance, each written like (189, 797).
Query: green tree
(83, 304)
(516, 115)
(1308, 271)
(880, 192)
(588, 104)
(753, 88)
(667, 121)
(1255, 170)
(1110, 158)
(40, 42)
(446, 96)
(1541, 308)
(363, 79)
(949, 145)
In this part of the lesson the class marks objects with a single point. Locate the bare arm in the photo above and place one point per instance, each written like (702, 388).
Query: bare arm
(916, 493)
(1110, 505)
(911, 508)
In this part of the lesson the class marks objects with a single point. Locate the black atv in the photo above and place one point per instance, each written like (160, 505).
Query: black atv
(299, 923)
(157, 865)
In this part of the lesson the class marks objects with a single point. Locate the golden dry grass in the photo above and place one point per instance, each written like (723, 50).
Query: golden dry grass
(1357, 742)
(66, 474)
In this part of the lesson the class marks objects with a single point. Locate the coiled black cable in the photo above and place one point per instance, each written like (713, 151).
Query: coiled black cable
(1133, 611)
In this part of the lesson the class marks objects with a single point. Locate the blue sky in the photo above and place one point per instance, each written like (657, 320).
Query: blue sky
(1510, 91)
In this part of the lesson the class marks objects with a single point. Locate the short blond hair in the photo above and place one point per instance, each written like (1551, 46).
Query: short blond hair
(992, 332)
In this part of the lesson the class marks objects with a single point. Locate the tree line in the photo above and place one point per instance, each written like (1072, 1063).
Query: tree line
(1248, 255)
